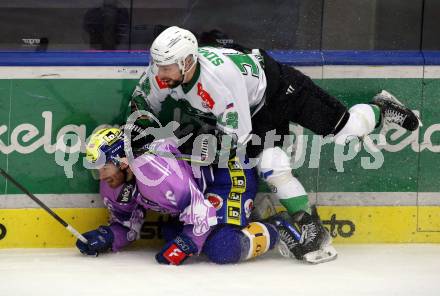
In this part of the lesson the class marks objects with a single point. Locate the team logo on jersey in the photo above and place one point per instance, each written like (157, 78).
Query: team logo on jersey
(234, 196)
(128, 191)
(215, 200)
(233, 213)
(239, 181)
(208, 101)
(234, 165)
(248, 207)
(160, 83)
(290, 90)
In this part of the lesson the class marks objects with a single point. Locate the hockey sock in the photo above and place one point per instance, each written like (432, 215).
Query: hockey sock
(290, 192)
(274, 167)
(296, 204)
(231, 244)
(363, 119)
(377, 115)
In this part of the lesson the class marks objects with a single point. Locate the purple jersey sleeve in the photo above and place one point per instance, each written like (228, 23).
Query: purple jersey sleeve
(126, 216)
(168, 185)
(162, 184)
(200, 215)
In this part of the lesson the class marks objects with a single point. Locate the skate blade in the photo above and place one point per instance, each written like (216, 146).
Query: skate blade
(326, 254)
(391, 97)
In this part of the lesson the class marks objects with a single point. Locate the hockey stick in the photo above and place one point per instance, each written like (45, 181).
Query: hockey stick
(46, 208)
(192, 159)
(178, 156)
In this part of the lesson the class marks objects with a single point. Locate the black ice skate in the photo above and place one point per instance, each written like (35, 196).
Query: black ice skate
(315, 240)
(394, 111)
(289, 244)
(304, 237)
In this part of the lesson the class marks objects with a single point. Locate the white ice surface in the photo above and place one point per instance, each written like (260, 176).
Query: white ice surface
(360, 270)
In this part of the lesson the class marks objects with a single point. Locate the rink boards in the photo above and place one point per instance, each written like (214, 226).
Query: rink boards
(388, 191)
(34, 228)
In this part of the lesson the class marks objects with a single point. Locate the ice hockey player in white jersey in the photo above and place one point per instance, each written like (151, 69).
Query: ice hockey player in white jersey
(246, 92)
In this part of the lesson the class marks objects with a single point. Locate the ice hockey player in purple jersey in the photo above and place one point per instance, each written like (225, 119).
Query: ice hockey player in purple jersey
(246, 92)
(152, 182)
(165, 184)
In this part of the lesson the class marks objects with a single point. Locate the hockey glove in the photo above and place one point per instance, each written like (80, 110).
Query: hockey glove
(176, 251)
(99, 240)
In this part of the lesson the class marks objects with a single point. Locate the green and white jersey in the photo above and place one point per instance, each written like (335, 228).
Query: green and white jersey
(227, 84)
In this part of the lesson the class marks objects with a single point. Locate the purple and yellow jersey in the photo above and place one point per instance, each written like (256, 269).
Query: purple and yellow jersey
(232, 191)
(162, 184)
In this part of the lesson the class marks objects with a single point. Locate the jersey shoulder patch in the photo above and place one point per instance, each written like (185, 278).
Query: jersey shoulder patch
(208, 101)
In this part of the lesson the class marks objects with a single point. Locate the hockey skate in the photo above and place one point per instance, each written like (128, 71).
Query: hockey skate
(304, 237)
(315, 240)
(394, 111)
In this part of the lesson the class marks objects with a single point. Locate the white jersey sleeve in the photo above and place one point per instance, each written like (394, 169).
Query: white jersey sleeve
(232, 110)
(231, 84)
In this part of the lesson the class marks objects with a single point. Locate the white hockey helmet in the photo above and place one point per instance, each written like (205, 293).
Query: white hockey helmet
(174, 45)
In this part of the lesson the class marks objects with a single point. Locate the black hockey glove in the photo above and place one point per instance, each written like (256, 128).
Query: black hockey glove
(99, 240)
(175, 252)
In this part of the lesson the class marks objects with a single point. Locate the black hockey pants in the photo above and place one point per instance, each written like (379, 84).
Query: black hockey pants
(292, 96)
